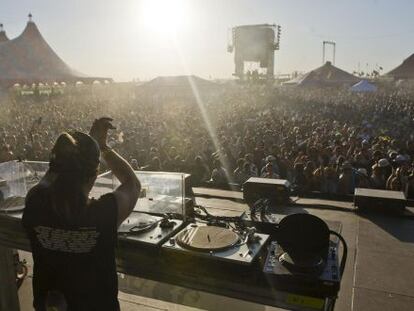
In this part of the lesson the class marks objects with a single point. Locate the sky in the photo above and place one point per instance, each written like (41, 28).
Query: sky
(129, 39)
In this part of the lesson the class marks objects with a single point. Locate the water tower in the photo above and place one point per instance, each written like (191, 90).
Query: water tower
(254, 44)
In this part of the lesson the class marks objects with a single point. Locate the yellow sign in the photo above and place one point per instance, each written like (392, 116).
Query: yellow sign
(305, 301)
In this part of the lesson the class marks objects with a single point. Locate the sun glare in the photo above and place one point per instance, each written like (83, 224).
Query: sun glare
(164, 17)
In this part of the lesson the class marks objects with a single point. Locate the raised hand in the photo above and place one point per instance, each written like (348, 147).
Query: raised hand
(99, 130)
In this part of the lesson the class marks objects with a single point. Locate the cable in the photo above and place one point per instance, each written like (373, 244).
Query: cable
(344, 254)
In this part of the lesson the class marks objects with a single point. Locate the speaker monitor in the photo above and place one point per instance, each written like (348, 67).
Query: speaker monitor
(384, 200)
(276, 190)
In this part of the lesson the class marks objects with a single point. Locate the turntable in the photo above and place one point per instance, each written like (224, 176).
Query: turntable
(159, 212)
(148, 229)
(218, 243)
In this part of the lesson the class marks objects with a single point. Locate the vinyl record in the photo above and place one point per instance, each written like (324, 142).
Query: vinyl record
(138, 222)
(312, 264)
(207, 238)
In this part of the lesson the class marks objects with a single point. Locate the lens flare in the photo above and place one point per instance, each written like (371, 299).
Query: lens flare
(164, 17)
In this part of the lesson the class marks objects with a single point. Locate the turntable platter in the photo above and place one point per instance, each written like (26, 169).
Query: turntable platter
(138, 222)
(311, 264)
(207, 238)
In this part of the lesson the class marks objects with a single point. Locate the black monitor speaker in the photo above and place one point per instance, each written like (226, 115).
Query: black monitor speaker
(276, 190)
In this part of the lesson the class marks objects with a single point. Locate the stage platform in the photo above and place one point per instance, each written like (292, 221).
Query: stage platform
(378, 274)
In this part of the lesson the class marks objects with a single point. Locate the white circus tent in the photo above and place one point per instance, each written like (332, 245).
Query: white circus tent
(363, 86)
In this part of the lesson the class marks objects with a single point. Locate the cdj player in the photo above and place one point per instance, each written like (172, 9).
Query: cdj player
(321, 275)
(303, 258)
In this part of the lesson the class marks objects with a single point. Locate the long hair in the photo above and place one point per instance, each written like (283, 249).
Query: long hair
(74, 159)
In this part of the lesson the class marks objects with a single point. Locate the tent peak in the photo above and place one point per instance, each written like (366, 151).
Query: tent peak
(31, 30)
(3, 36)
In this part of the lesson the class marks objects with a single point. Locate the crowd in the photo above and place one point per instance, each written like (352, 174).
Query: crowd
(328, 141)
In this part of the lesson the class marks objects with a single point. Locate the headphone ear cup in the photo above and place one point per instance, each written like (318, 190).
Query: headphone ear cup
(303, 235)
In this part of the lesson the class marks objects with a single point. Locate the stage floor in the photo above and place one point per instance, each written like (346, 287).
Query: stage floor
(378, 274)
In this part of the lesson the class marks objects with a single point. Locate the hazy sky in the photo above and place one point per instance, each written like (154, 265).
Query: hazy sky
(125, 39)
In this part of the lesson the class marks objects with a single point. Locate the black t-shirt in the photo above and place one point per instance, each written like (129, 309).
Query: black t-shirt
(76, 260)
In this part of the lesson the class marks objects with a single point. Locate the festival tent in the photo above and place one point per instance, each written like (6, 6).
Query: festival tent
(296, 80)
(29, 59)
(178, 81)
(363, 87)
(177, 87)
(403, 71)
(325, 76)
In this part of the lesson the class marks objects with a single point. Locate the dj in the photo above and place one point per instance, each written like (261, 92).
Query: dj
(73, 238)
